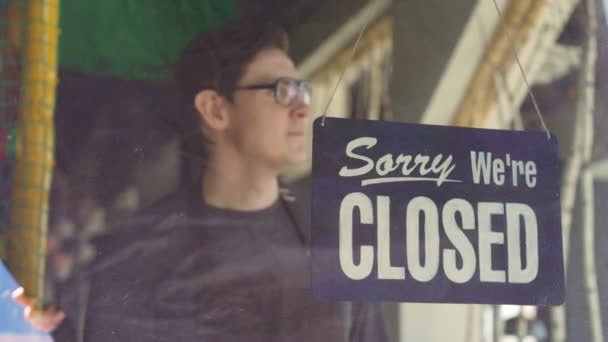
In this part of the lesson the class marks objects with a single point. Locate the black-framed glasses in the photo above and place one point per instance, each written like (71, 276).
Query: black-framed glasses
(285, 90)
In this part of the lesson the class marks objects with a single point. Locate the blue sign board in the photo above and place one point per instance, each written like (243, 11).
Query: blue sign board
(420, 213)
(13, 326)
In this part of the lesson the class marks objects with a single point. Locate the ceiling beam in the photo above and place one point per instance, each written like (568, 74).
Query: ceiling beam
(342, 36)
(532, 26)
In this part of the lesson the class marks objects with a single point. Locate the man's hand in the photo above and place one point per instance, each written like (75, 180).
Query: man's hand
(46, 320)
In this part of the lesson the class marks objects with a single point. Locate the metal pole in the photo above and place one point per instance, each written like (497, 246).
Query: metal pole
(35, 146)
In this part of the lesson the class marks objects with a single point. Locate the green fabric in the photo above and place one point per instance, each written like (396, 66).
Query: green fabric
(133, 39)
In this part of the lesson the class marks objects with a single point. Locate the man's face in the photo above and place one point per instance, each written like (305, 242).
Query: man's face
(262, 130)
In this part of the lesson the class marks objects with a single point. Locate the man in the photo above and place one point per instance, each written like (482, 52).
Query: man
(225, 258)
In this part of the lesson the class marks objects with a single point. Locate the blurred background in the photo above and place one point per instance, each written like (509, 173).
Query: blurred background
(117, 143)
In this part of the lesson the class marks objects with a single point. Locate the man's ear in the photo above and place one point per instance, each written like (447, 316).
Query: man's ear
(210, 106)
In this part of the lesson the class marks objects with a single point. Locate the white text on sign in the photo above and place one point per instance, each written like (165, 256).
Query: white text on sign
(406, 164)
(494, 170)
(479, 217)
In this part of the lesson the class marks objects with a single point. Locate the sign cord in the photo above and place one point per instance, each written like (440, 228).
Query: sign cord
(350, 60)
(523, 73)
(512, 45)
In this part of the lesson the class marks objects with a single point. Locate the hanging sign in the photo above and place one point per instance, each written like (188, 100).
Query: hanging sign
(420, 213)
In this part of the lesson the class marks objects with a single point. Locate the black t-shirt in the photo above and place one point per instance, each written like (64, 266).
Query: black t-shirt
(257, 278)
(185, 271)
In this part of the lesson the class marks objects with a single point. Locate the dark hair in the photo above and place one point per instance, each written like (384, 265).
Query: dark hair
(217, 60)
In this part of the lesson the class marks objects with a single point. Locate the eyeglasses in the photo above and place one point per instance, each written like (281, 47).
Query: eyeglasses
(285, 90)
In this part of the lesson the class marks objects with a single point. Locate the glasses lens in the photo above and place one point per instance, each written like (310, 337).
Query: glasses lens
(305, 93)
(286, 91)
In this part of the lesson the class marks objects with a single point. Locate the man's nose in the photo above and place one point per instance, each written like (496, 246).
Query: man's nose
(301, 108)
